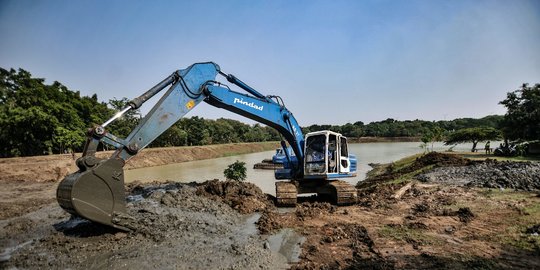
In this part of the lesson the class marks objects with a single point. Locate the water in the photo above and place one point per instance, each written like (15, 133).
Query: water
(202, 170)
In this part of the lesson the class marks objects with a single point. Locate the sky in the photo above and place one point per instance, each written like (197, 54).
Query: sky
(332, 62)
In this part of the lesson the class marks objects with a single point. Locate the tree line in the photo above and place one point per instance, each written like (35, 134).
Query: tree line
(408, 128)
(38, 118)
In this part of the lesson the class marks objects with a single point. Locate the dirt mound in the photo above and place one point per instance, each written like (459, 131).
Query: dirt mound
(465, 214)
(172, 228)
(429, 160)
(490, 174)
(242, 196)
(20, 197)
(269, 222)
(440, 160)
(309, 210)
(376, 195)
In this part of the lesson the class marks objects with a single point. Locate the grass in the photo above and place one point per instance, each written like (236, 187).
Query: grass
(405, 162)
(528, 206)
(516, 237)
(505, 194)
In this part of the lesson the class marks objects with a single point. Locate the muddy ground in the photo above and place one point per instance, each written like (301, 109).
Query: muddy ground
(171, 228)
(403, 220)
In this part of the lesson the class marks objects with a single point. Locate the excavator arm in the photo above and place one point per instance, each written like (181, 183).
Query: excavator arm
(96, 190)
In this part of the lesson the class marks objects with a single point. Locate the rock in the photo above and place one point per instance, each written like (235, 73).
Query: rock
(491, 174)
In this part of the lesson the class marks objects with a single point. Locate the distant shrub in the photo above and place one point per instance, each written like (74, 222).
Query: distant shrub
(236, 171)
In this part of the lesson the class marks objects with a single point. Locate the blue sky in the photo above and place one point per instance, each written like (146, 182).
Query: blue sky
(333, 62)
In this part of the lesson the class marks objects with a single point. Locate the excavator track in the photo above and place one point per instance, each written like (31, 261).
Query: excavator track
(342, 192)
(286, 193)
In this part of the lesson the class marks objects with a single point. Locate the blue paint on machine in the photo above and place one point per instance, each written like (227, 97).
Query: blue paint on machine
(96, 191)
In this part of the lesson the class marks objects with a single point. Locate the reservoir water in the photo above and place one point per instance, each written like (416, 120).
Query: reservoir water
(202, 170)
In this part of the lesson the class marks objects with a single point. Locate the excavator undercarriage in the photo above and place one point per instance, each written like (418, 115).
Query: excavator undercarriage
(338, 192)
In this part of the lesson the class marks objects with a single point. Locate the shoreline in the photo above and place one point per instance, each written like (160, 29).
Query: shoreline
(53, 168)
(382, 139)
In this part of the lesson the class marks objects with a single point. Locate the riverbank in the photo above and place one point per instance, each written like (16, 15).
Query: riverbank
(382, 139)
(55, 167)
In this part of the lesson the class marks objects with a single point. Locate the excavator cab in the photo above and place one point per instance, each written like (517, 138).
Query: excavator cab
(327, 156)
(326, 159)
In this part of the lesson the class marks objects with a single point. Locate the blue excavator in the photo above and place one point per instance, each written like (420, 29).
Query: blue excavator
(96, 190)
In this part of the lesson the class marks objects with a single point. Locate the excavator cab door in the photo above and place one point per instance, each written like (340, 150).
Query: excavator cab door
(344, 162)
(316, 155)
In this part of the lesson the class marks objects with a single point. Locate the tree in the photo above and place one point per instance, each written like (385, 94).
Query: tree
(37, 118)
(434, 135)
(124, 125)
(474, 135)
(236, 171)
(522, 120)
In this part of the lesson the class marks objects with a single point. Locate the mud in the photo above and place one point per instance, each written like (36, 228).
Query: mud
(242, 196)
(172, 228)
(268, 222)
(312, 210)
(21, 197)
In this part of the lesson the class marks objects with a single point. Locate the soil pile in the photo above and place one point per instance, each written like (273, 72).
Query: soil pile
(172, 228)
(430, 160)
(334, 239)
(310, 210)
(269, 222)
(439, 160)
(242, 196)
(490, 174)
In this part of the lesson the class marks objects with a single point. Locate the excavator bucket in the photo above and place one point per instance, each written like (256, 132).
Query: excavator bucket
(95, 192)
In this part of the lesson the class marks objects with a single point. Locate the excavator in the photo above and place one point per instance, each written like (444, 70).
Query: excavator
(96, 191)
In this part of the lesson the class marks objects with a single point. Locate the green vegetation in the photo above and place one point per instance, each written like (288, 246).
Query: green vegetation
(473, 135)
(408, 128)
(38, 119)
(236, 171)
(522, 120)
(527, 215)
